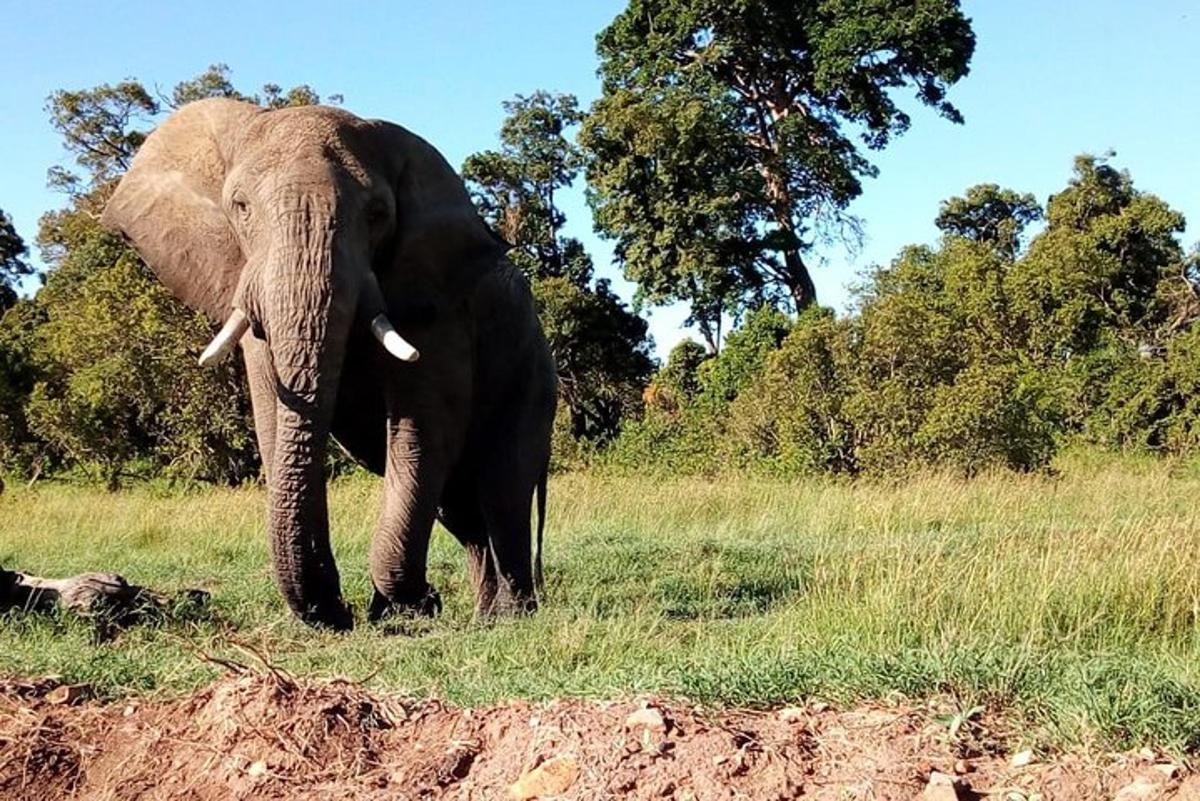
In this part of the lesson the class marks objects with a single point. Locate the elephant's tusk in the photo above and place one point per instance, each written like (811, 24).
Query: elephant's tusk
(226, 339)
(396, 345)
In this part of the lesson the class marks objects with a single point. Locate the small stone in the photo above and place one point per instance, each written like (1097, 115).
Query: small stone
(68, 694)
(1167, 769)
(962, 767)
(649, 718)
(819, 707)
(1148, 754)
(1138, 790)
(1022, 758)
(128, 710)
(553, 777)
(257, 769)
(940, 788)
(792, 714)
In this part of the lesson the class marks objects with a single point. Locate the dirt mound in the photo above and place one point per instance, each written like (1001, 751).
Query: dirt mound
(274, 737)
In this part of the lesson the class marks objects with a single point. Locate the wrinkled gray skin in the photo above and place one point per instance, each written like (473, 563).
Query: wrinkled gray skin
(284, 214)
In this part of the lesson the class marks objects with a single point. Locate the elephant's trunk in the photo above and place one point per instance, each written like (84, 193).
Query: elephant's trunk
(307, 304)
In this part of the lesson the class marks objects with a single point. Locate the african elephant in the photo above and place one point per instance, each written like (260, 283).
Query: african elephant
(337, 249)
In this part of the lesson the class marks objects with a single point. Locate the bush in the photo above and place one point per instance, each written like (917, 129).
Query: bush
(966, 356)
(791, 419)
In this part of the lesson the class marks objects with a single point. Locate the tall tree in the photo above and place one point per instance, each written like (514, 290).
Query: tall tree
(728, 138)
(516, 186)
(600, 347)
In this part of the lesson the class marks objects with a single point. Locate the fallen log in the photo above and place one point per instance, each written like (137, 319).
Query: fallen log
(97, 595)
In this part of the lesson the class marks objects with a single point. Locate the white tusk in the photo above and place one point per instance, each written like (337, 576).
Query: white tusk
(396, 345)
(226, 339)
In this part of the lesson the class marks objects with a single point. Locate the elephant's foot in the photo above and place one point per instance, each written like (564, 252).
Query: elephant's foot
(334, 614)
(425, 603)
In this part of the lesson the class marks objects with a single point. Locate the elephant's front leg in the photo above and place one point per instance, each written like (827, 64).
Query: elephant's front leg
(413, 480)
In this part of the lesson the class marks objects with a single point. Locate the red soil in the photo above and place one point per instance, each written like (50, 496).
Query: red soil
(273, 737)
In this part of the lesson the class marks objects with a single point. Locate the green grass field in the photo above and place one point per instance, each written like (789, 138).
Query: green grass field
(1071, 600)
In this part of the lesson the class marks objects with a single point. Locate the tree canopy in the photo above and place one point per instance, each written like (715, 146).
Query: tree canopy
(600, 347)
(97, 370)
(13, 265)
(729, 139)
(976, 353)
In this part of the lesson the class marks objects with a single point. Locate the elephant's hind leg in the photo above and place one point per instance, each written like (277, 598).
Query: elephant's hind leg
(463, 517)
(507, 501)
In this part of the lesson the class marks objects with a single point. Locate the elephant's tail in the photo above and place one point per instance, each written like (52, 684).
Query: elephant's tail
(539, 578)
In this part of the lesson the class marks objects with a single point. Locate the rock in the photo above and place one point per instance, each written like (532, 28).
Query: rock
(257, 769)
(1148, 754)
(648, 718)
(819, 706)
(1142, 789)
(553, 777)
(1022, 758)
(792, 714)
(1169, 770)
(68, 694)
(940, 788)
(962, 767)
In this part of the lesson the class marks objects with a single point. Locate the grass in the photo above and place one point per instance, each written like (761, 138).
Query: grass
(1071, 600)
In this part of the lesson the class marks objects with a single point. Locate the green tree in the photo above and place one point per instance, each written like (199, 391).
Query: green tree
(600, 347)
(13, 265)
(791, 419)
(991, 215)
(100, 365)
(1095, 272)
(102, 128)
(729, 137)
(121, 388)
(515, 187)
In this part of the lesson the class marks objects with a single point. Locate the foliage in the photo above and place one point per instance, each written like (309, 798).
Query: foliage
(991, 215)
(115, 388)
(792, 420)
(975, 354)
(728, 139)
(97, 371)
(515, 187)
(601, 349)
(13, 266)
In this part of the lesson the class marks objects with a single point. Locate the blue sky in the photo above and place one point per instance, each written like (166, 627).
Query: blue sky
(1050, 79)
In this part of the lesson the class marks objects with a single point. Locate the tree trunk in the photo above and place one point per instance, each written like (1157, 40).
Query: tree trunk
(799, 282)
(796, 277)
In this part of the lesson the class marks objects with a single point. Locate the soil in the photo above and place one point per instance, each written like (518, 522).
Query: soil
(271, 736)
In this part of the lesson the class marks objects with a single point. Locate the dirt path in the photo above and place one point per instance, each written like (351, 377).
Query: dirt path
(270, 737)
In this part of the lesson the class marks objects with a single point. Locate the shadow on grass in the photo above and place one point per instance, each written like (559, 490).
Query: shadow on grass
(725, 600)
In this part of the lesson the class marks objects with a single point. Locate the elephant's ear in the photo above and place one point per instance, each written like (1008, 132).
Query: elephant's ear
(168, 205)
(440, 237)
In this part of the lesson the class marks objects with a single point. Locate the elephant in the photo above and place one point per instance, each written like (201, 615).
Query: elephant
(372, 304)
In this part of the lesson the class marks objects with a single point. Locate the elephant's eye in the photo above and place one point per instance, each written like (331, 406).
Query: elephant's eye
(241, 208)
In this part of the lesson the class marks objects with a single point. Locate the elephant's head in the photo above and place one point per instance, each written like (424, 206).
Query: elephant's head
(284, 224)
